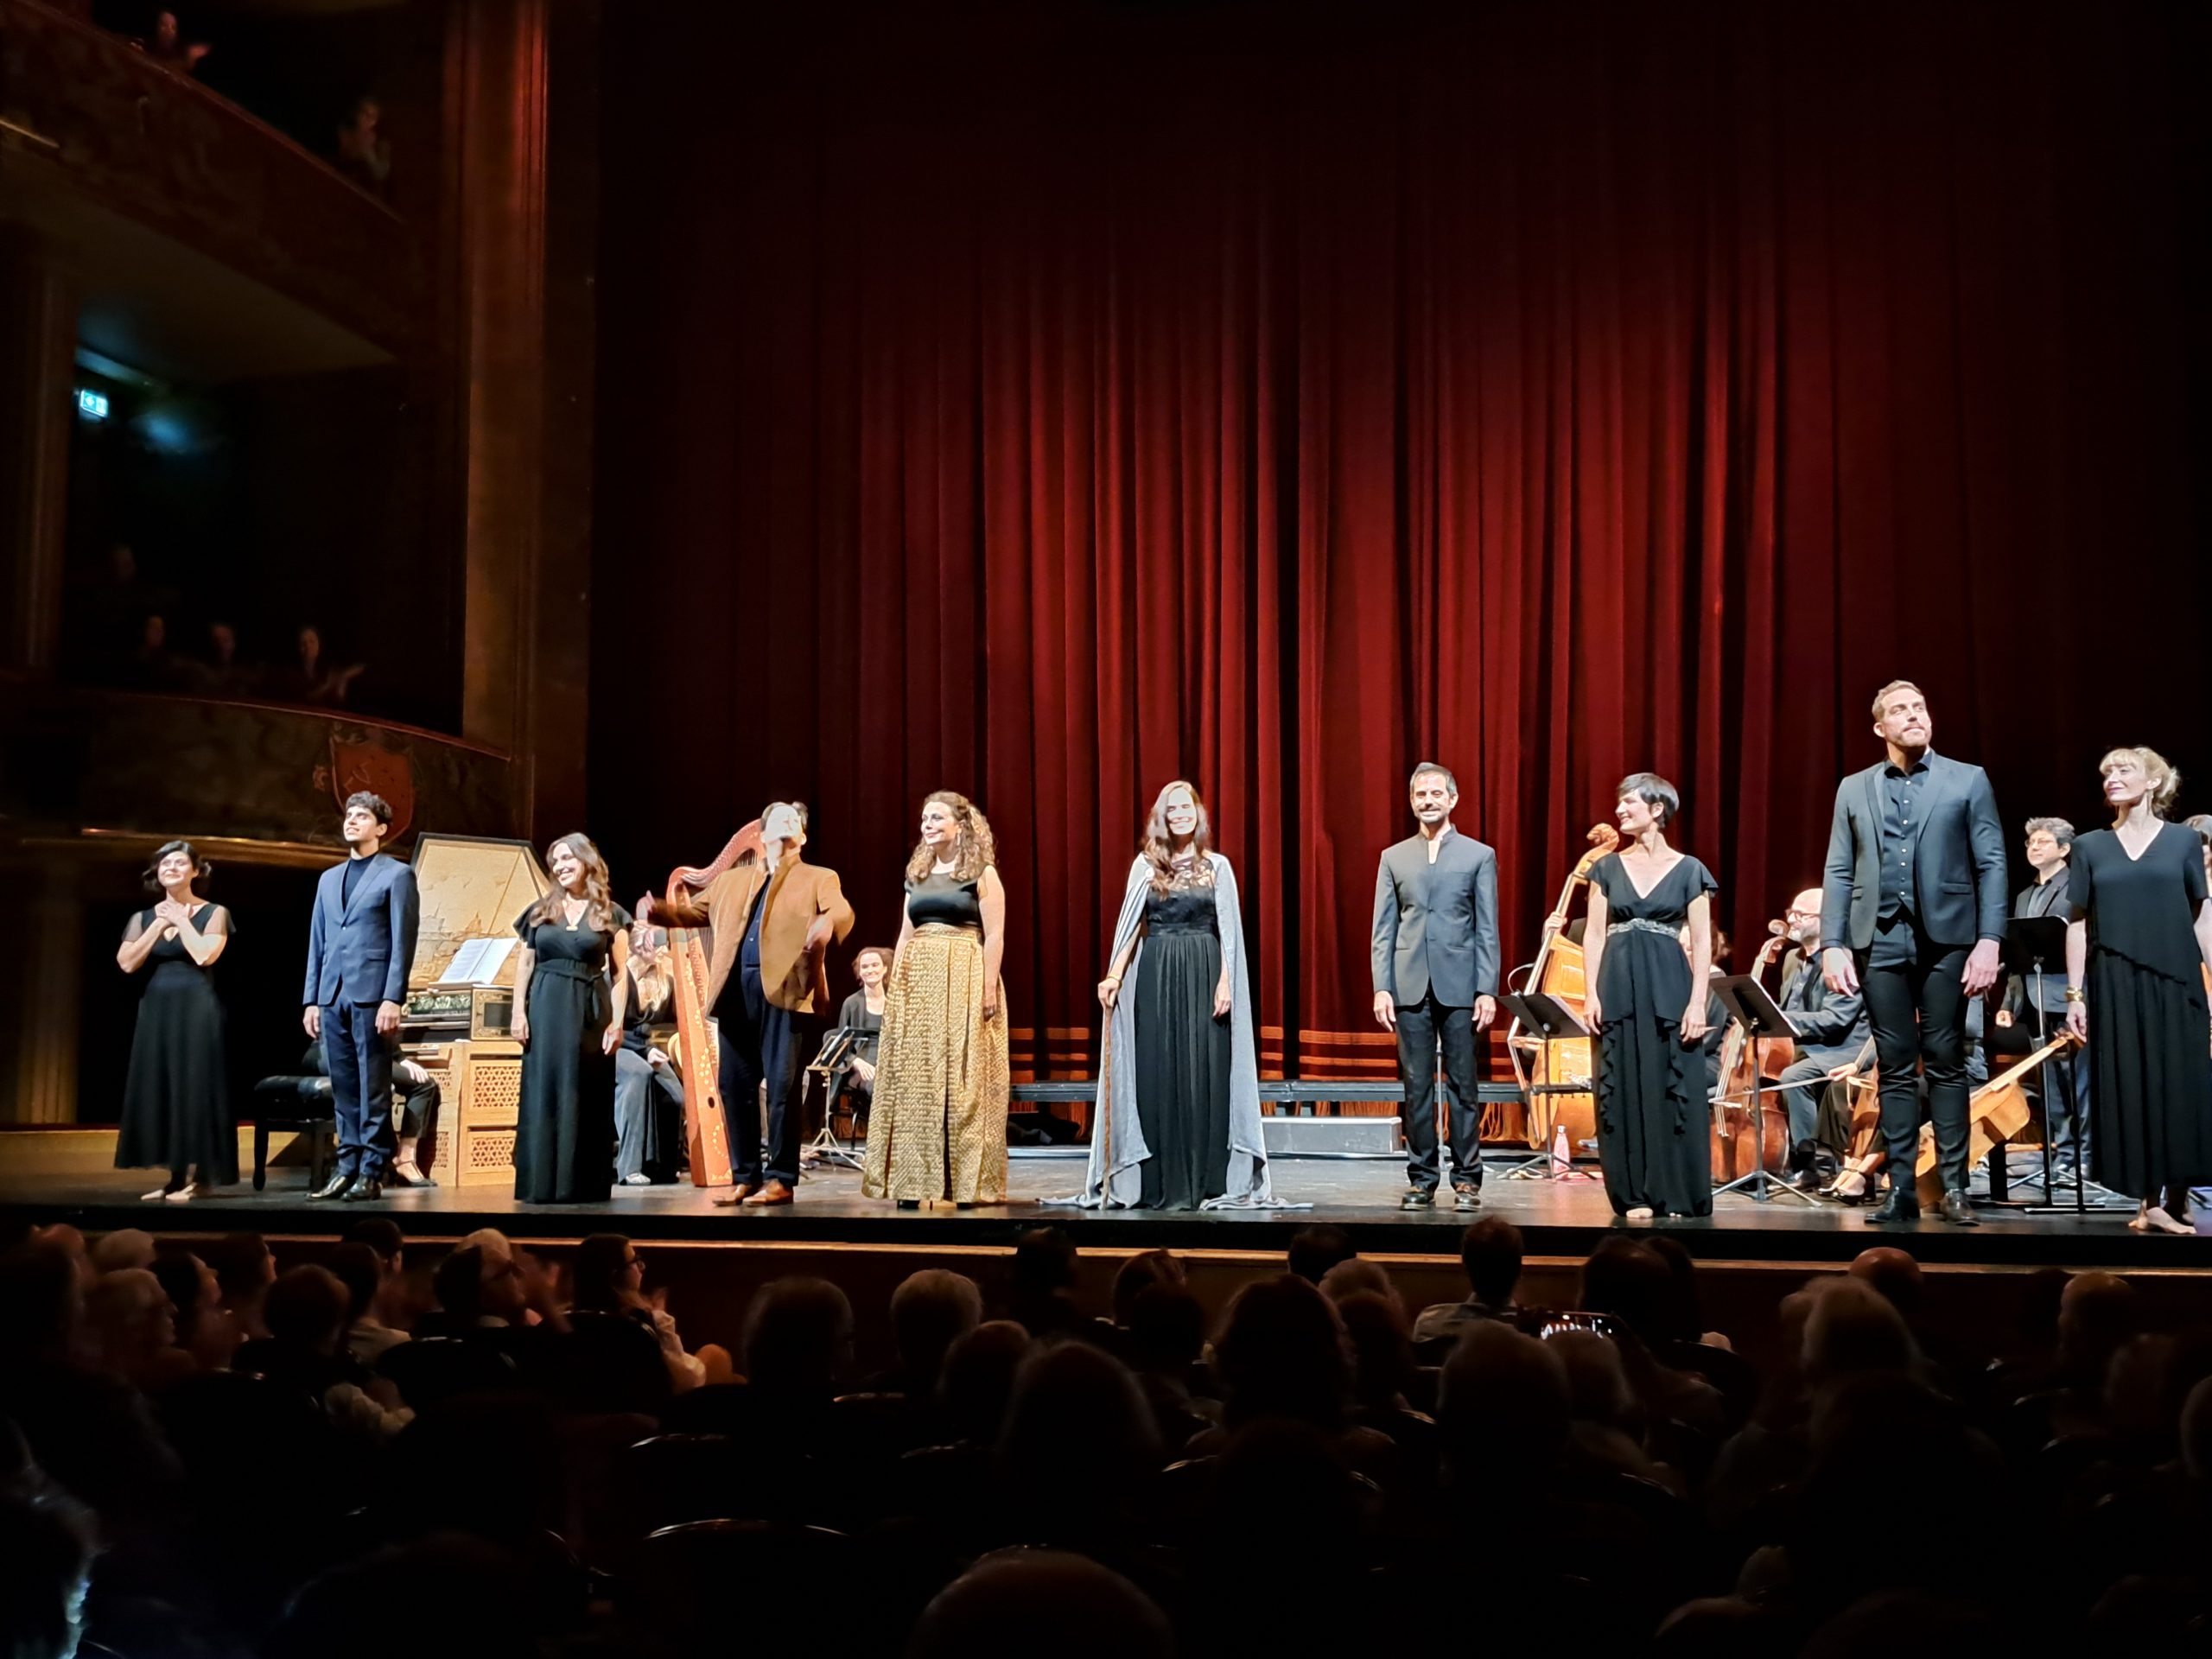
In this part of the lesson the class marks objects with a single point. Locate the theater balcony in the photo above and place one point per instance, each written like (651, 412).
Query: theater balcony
(179, 210)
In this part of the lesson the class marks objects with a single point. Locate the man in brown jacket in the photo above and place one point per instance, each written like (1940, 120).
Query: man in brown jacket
(772, 920)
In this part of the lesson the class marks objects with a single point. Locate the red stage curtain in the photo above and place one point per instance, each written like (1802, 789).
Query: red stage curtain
(1048, 400)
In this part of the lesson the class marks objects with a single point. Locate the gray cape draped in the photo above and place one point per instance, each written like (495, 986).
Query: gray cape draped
(1117, 1144)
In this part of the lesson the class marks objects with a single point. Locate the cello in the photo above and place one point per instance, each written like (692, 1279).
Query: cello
(1557, 972)
(706, 1121)
(1740, 1133)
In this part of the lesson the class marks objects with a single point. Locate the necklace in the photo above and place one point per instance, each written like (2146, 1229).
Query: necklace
(572, 911)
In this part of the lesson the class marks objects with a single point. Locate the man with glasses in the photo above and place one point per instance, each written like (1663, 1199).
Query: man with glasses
(1831, 1025)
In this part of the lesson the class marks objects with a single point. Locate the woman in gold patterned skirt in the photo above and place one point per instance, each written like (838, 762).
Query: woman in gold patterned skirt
(938, 1129)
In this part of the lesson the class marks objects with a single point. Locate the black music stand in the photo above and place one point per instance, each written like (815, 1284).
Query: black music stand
(1747, 1004)
(1553, 1022)
(2034, 946)
(840, 1048)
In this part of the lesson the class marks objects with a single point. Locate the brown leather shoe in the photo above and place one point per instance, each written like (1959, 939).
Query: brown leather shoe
(737, 1194)
(774, 1193)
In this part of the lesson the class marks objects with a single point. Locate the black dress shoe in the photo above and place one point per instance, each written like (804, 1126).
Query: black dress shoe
(1955, 1210)
(1418, 1198)
(334, 1188)
(1900, 1206)
(1466, 1198)
(364, 1191)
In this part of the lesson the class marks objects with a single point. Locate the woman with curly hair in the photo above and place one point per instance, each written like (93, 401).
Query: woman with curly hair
(569, 1020)
(2136, 950)
(938, 1129)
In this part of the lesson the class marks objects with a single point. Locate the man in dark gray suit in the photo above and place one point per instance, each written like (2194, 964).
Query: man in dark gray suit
(360, 943)
(1913, 906)
(1435, 961)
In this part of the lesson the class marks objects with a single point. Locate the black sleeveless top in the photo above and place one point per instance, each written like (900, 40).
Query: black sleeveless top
(940, 898)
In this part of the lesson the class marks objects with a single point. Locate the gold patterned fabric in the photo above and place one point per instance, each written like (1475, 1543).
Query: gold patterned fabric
(937, 1126)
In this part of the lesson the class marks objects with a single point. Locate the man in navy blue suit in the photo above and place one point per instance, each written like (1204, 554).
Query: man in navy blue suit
(360, 946)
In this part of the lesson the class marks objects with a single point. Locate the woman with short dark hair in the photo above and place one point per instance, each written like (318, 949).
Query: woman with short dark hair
(176, 1096)
(1647, 1002)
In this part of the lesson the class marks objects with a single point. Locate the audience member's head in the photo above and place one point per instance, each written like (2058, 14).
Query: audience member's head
(1894, 1276)
(127, 1323)
(1495, 1375)
(458, 1286)
(2097, 1312)
(1282, 1353)
(1005, 1599)
(1681, 1308)
(361, 1270)
(1359, 1277)
(1490, 1253)
(1077, 1441)
(606, 1277)
(193, 1293)
(1167, 1330)
(308, 1309)
(47, 1541)
(1625, 1279)
(799, 1337)
(2196, 1434)
(931, 1311)
(1597, 1385)
(126, 1246)
(245, 1269)
(1382, 1346)
(1852, 1331)
(382, 1234)
(1139, 1274)
(977, 1380)
(1314, 1250)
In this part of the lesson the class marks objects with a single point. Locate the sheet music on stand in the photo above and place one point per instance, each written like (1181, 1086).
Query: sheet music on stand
(478, 961)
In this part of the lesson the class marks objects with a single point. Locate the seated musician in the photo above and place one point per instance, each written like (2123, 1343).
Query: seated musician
(2062, 1086)
(863, 1011)
(1830, 1028)
(648, 1085)
(415, 1101)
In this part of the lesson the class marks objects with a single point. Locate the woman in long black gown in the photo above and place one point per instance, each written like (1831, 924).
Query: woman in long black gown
(177, 1097)
(2137, 950)
(575, 940)
(1179, 1114)
(1647, 1002)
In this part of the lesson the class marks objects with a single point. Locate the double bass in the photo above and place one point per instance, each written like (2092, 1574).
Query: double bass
(1557, 972)
(1740, 1133)
(706, 1122)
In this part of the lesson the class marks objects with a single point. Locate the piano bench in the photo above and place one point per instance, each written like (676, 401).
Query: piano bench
(300, 1104)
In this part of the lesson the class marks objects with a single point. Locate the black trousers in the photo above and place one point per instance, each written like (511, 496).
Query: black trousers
(760, 1043)
(1917, 1003)
(1420, 1025)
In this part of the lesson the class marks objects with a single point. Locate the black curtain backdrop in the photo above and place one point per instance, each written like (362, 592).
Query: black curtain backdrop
(1047, 400)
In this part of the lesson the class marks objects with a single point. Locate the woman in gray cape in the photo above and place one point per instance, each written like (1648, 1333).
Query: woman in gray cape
(1178, 1085)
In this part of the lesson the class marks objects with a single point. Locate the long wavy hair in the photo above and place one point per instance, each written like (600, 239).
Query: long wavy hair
(1159, 844)
(599, 896)
(977, 851)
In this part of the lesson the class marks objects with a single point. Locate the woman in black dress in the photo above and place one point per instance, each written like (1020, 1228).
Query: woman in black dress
(1647, 1004)
(570, 1024)
(1177, 1125)
(2137, 950)
(176, 1100)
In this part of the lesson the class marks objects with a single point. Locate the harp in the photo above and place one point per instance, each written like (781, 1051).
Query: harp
(706, 1114)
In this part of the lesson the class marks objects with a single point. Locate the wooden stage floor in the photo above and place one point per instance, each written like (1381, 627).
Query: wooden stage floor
(1562, 1219)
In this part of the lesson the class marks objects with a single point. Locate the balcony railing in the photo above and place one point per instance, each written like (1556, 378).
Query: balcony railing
(82, 112)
